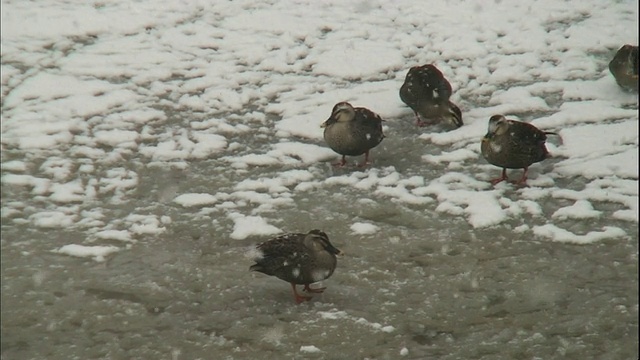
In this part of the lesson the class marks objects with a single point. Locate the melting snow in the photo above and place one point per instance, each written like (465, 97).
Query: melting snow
(120, 119)
(247, 98)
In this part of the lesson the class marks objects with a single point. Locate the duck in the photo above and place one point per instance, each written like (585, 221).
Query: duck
(426, 91)
(624, 67)
(352, 131)
(512, 144)
(299, 259)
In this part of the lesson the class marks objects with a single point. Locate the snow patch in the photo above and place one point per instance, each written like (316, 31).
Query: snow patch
(361, 228)
(245, 226)
(98, 253)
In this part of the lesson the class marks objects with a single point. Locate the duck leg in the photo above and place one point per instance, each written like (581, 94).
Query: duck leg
(419, 122)
(308, 288)
(523, 179)
(366, 160)
(342, 162)
(299, 298)
(501, 178)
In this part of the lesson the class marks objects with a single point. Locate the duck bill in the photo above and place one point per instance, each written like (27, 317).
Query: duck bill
(327, 122)
(335, 251)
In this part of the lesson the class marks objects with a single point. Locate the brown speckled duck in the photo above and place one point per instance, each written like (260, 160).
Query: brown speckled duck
(300, 259)
(352, 131)
(512, 144)
(624, 67)
(426, 92)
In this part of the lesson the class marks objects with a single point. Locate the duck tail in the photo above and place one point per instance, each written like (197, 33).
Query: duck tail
(256, 267)
(556, 134)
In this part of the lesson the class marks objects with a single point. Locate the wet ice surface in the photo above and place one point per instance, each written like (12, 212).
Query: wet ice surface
(146, 148)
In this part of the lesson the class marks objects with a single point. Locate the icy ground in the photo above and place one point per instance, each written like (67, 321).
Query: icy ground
(147, 145)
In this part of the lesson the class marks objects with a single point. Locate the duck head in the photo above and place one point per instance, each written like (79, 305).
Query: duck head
(498, 125)
(319, 241)
(342, 112)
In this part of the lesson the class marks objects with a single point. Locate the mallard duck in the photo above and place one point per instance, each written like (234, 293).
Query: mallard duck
(624, 67)
(427, 92)
(300, 259)
(512, 144)
(352, 131)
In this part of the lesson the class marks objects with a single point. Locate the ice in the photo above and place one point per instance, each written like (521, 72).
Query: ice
(283, 84)
(163, 141)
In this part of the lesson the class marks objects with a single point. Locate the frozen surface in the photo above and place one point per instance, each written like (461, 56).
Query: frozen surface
(146, 146)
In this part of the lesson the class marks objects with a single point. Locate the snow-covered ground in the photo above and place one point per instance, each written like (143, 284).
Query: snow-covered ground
(122, 121)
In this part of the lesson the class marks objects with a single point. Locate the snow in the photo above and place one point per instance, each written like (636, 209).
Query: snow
(555, 233)
(333, 314)
(362, 228)
(388, 329)
(14, 166)
(340, 315)
(351, 59)
(52, 219)
(581, 209)
(121, 235)
(309, 349)
(188, 200)
(245, 226)
(90, 106)
(146, 125)
(98, 253)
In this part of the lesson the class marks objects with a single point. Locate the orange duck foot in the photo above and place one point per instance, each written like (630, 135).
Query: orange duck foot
(308, 288)
(299, 298)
